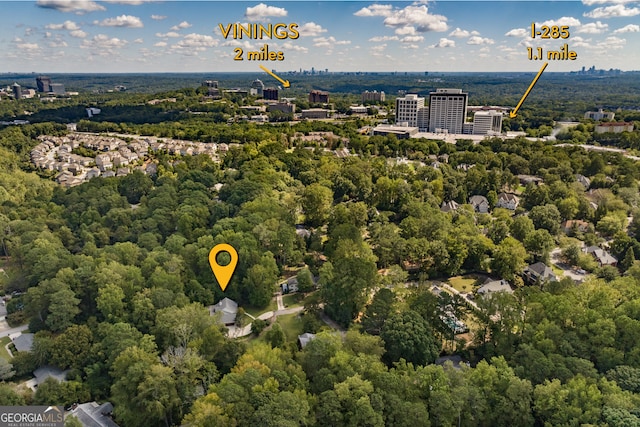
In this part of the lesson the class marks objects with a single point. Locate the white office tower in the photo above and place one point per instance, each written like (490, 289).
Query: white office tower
(487, 122)
(447, 110)
(257, 87)
(407, 110)
(423, 119)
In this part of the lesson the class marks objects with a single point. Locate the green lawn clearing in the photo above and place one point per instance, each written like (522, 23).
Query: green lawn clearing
(3, 351)
(256, 311)
(291, 324)
(291, 300)
(462, 283)
(557, 270)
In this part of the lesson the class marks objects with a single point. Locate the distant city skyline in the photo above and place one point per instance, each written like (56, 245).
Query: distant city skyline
(140, 36)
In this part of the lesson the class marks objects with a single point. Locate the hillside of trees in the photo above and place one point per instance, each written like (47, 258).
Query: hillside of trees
(113, 278)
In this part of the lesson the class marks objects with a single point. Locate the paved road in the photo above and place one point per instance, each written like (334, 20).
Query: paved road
(5, 332)
(567, 271)
(599, 148)
(279, 301)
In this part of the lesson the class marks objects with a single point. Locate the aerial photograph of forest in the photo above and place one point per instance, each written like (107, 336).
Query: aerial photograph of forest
(331, 213)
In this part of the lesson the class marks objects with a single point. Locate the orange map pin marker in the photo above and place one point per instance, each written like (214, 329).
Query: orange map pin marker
(223, 273)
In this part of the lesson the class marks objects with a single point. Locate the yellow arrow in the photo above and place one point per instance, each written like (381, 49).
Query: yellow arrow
(512, 114)
(285, 83)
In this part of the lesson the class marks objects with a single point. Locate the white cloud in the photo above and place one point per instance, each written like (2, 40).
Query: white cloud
(261, 11)
(378, 50)
(578, 41)
(593, 28)
(79, 7)
(631, 28)
(412, 39)
(476, 40)
(129, 2)
(127, 21)
(67, 25)
(411, 46)
(612, 42)
(195, 42)
(28, 46)
(406, 31)
(57, 43)
(618, 10)
(181, 26)
(565, 20)
(79, 34)
(417, 17)
(444, 42)
(311, 29)
(158, 17)
(172, 34)
(239, 43)
(294, 47)
(375, 10)
(517, 32)
(460, 33)
(138, 41)
(592, 2)
(329, 42)
(384, 38)
(161, 44)
(102, 41)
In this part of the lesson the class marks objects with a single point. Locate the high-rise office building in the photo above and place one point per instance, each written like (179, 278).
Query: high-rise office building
(447, 110)
(487, 122)
(212, 86)
(257, 87)
(270, 93)
(57, 88)
(407, 109)
(44, 84)
(17, 91)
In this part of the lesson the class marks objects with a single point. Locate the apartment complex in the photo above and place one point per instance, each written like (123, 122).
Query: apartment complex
(318, 96)
(373, 96)
(599, 115)
(614, 127)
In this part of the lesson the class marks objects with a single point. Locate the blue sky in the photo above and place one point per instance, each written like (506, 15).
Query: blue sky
(48, 36)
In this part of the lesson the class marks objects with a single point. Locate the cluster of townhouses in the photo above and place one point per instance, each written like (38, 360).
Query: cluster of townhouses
(116, 156)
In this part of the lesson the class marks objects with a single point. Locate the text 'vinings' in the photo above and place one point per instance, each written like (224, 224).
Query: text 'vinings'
(258, 31)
